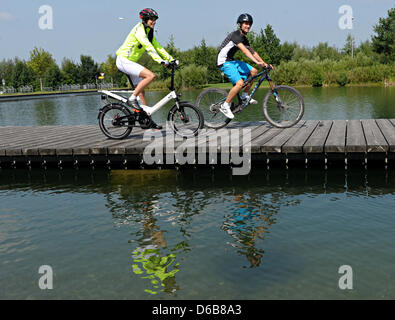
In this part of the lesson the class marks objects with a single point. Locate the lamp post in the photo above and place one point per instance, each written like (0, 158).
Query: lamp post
(352, 40)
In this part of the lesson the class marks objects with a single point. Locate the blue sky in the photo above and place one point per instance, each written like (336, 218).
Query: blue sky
(93, 27)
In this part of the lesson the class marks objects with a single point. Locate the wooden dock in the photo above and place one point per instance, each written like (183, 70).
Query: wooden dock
(310, 141)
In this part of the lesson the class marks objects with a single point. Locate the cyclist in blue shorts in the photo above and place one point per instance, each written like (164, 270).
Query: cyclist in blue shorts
(238, 71)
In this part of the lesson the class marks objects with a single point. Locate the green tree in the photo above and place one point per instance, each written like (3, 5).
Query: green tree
(22, 74)
(271, 45)
(384, 40)
(53, 76)
(88, 70)
(323, 51)
(349, 47)
(110, 69)
(6, 69)
(40, 61)
(287, 50)
(69, 71)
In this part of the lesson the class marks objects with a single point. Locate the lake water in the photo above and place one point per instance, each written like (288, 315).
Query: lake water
(198, 234)
(320, 103)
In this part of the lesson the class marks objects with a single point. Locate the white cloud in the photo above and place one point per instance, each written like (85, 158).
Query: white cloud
(6, 16)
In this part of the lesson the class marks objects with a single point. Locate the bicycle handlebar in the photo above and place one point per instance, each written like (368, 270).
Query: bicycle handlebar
(267, 68)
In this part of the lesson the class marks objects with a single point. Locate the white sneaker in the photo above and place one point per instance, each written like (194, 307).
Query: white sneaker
(252, 101)
(226, 111)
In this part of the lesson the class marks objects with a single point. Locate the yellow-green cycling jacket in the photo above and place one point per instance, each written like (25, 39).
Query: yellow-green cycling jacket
(141, 39)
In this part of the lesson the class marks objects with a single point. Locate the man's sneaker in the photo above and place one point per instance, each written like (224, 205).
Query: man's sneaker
(156, 126)
(134, 104)
(226, 111)
(252, 101)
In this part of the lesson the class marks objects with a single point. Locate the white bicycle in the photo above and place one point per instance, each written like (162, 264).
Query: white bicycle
(117, 120)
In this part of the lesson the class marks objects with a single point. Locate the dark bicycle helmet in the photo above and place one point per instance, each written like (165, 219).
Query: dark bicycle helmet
(245, 17)
(148, 13)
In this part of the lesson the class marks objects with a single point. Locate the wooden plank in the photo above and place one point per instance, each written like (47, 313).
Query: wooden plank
(21, 136)
(355, 140)
(316, 142)
(263, 138)
(15, 148)
(388, 130)
(296, 142)
(336, 141)
(50, 145)
(276, 143)
(375, 140)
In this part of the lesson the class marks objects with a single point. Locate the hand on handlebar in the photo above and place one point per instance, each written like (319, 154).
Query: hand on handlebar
(268, 67)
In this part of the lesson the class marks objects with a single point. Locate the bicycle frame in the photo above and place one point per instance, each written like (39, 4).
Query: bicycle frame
(263, 75)
(149, 110)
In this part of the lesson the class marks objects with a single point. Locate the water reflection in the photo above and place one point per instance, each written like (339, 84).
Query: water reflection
(45, 112)
(173, 221)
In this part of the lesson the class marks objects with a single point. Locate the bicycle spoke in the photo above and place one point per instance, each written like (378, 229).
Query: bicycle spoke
(289, 107)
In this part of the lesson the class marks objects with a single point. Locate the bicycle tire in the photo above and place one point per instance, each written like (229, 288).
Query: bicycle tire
(283, 115)
(186, 121)
(209, 102)
(109, 125)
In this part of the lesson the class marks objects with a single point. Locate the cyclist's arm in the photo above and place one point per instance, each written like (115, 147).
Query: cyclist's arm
(250, 56)
(143, 39)
(161, 51)
(258, 57)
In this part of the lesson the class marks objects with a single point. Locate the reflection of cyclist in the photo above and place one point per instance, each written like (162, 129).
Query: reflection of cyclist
(141, 39)
(236, 70)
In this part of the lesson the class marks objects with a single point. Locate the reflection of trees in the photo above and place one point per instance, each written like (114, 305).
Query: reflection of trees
(45, 112)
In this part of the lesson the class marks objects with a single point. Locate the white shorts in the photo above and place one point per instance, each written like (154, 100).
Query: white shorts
(132, 69)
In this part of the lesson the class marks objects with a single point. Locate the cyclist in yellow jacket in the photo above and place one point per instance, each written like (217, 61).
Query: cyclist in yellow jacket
(141, 38)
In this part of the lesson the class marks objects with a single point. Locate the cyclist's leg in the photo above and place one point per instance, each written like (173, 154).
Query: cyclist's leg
(146, 77)
(234, 91)
(133, 71)
(230, 69)
(246, 71)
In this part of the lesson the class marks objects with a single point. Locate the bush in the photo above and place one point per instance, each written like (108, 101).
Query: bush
(192, 76)
(342, 79)
(287, 73)
(317, 77)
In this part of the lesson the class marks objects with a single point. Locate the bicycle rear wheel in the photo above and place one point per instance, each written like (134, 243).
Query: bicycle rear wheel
(283, 107)
(187, 120)
(115, 121)
(209, 101)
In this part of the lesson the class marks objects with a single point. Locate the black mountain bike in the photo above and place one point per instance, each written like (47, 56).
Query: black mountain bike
(116, 120)
(283, 106)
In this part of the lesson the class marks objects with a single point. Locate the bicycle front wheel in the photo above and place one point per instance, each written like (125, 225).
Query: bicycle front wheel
(115, 121)
(187, 120)
(209, 101)
(283, 107)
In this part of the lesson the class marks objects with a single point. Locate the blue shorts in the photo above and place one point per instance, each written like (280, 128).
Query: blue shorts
(236, 70)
